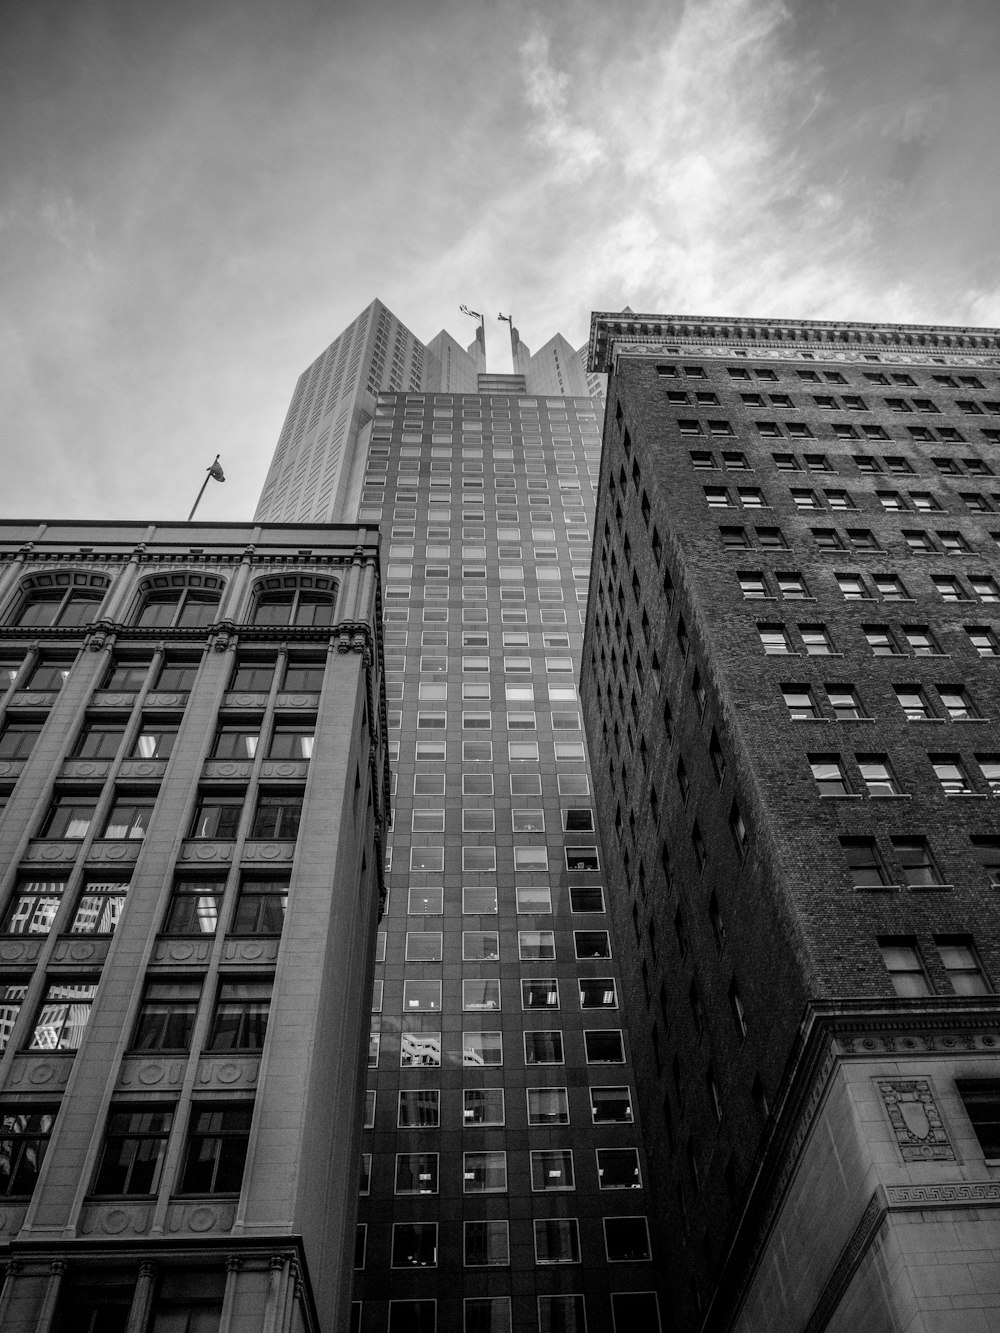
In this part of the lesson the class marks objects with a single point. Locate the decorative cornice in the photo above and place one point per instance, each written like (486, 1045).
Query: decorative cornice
(611, 333)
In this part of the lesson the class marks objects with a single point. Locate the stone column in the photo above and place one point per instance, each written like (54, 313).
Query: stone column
(142, 1299)
(47, 1314)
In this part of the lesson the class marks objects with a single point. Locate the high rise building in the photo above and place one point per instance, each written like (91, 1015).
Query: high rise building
(789, 685)
(503, 1180)
(194, 790)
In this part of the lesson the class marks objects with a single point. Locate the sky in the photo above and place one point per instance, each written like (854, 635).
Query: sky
(196, 198)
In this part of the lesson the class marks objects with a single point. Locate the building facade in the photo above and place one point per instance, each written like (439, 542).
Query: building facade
(194, 773)
(790, 691)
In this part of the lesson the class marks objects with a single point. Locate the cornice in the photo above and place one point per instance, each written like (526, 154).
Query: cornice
(612, 334)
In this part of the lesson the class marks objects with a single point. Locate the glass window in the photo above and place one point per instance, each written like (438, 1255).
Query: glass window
(260, 907)
(484, 1172)
(419, 1108)
(62, 1019)
(33, 908)
(548, 1106)
(69, 816)
(626, 1240)
(416, 1173)
(480, 946)
(962, 964)
(166, 1016)
(482, 1048)
(240, 1019)
(592, 943)
(178, 606)
(194, 907)
(217, 816)
(216, 1149)
(543, 1046)
(480, 993)
(292, 738)
(483, 1106)
(552, 1169)
(135, 1143)
(24, 1137)
(99, 739)
(277, 815)
(618, 1169)
(129, 817)
(604, 1046)
(59, 606)
(611, 1105)
(486, 1244)
(536, 945)
(99, 907)
(298, 606)
(905, 968)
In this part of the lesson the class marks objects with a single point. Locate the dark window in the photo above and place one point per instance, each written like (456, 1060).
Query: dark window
(194, 907)
(982, 1105)
(99, 740)
(240, 1020)
(127, 677)
(177, 675)
(604, 1046)
(129, 817)
(253, 676)
(18, 738)
(237, 740)
(178, 606)
(294, 606)
(155, 740)
(914, 855)
(135, 1142)
(260, 909)
(414, 1245)
(962, 964)
(277, 815)
(59, 606)
(166, 1016)
(304, 675)
(217, 816)
(292, 739)
(863, 863)
(24, 1136)
(216, 1149)
(48, 675)
(69, 816)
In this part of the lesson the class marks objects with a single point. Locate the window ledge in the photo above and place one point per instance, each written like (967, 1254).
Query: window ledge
(962, 720)
(891, 796)
(927, 719)
(931, 888)
(840, 796)
(810, 719)
(966, 795)
(854, 719)
(878, 888)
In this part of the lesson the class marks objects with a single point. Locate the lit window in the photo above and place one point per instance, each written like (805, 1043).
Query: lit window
(877, 775)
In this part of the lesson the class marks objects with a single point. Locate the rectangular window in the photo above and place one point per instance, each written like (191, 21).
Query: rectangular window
(552, 1169)
(919, 868)
(604, 1046)
(482, 1048)
(419, 1108)
(33, 907)
(548, 1106)
(557, 1240)
(24, 1138)
(216, 1149)
(62, 1019)
(69, 816)
(864, 863)
(484, 1172)
(483, 1107)
(877, 775)
(903, 963)
(618, 1169)
(962, 964)
(129, 817)
(416, 1173)
(166, 1016)
(981, 1098)
(487, 1245)
(543, 1047)
(194, 907)
(135, 1143)
(611, 1105)
(217, 816)
(240, 1019)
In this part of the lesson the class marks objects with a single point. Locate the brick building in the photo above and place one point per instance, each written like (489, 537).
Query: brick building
(194, 774)
(790, 692)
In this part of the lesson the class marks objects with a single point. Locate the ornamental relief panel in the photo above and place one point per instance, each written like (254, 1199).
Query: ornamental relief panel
(243, 699)
(11, 768)
(222, 1071)
(159, 699)
(143, 1071)
(915, 1120)
(184, 951)
(284, 768)
(33, 699)
(114, 850)
(268, 851)
(41, 850)
(200, 1217)
(23, 950)
(111, 699)
(227, 768)
(116, 1219)
(250, 951)
(85, 768)
(206, 851)
(81, 949)
(31, 1070)
(297, 700)
(142, 768)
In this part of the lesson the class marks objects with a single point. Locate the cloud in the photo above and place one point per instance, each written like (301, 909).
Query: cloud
(575, 149)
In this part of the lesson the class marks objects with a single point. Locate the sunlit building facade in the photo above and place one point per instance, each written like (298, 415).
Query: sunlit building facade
(194, 783)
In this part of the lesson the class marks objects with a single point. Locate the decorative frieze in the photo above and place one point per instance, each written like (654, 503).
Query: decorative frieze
(915, 1119)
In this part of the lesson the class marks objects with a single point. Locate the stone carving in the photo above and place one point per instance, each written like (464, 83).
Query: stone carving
(284, 768)
(228, 768)
(251, 951)
(206, 851)
(297, 700)
(142, 768)
(268, 851)
(224, 1072)
(85, 768)
(80, 950)
(915, 1120)
(157, 699)
(115, 1219)
(51, 851)
(182, 950)
(976, 1192)
(20, 951)
(108, 699)
(40, 1071)
(139, 1071)
(35, 699)
(200, 1217)
(232, 699)
(9, 767)
(114, 851)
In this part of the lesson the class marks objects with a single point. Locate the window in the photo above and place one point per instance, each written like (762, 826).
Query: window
(135, 1143)
(921, 641)
(592, 943)
(962, 964)
(863, 863)
(414, 1245)
(914, 702)
(557, 1240)
(416, 1173)
(62, 1019)
(844, 702)
(33, 908)
(816, 640)
(19, 735)
(292, 739)
(852, 586)
(69, 816)
(163, 606)
(177, 675)
(611, 1105)
(536, 945)
(990, 764)
(919, 869)
(480, 946)
(774, 640)
(598, 993)
(260, 907)
(828, 771)
(24, 1137)
(552, 1169)
(59, 606)
(194, 907)
(484, 1172)
(483, 1106)
(903, 963)
(982, 1105)
(604, 1046)
(217, 815)
(277, 815)
(482, 1048)
(877, 775)
(155, 740)
(216, 1150)
(548, 1106)
(486, 1245)
(983, 640)
(129, 817)
(752, 584)
(423, 946)
(951, 774)
(618, 1169)
(166, 1016)
(240, 1019)
(253, 675)
(957, 703)
(293, 605)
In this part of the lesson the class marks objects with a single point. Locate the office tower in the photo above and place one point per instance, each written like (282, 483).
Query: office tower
(194, 783)
(316, 472)
(790, 671)
(503, 1178)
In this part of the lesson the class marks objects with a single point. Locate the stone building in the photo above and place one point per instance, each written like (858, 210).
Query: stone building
(195, 785)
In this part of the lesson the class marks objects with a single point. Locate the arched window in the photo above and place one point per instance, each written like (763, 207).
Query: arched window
(291, 601)
(61, 599)
(179, 600)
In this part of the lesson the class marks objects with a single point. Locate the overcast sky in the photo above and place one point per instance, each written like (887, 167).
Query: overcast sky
(196, 197)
